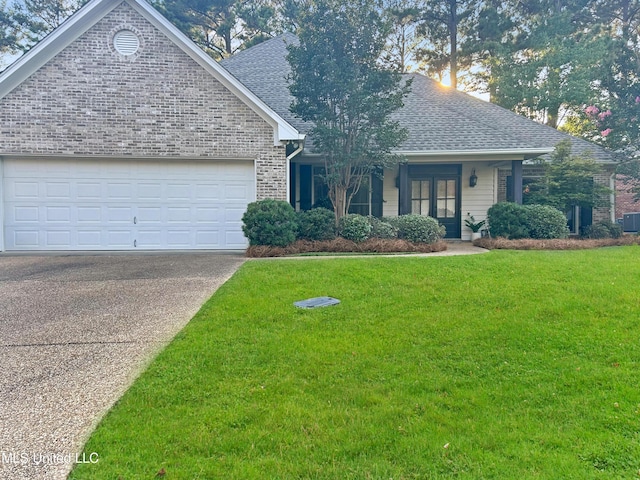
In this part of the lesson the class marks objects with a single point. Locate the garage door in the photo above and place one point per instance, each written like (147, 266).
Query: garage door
(53, 204)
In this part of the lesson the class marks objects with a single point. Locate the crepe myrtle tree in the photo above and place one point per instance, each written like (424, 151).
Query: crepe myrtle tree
(338, 85)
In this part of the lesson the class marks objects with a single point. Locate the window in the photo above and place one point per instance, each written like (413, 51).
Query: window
(360, 203)
(420, 197)
(446, 199)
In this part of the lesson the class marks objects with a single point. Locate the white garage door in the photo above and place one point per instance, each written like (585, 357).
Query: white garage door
(53, 204)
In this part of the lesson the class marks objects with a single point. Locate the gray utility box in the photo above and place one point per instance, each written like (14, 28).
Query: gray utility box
(631, 222)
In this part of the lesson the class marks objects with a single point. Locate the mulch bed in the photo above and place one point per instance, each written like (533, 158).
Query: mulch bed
(341, 245)
(556, 244)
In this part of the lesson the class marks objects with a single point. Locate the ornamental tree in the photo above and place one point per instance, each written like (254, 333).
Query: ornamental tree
(338, 85)
(568, 181)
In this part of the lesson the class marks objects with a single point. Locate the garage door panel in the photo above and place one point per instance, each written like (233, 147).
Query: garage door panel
(90, 239)
(150, 191)
(23, 214)
(119, 191)
(23, 190)
(57, 190)
(55, 239)
(88, 191)
(209, 215)
(146, 215)
(120, 214)
(125, 204)
(90, 214)
(23, 239)
(207, 192)
(208, 238)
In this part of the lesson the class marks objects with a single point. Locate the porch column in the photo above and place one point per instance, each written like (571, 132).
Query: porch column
(404, 190)
(516, 181)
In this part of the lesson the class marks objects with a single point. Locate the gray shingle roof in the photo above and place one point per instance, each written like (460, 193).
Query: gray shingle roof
(439, 119)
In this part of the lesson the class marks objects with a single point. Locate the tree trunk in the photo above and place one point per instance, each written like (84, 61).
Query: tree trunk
(552, 116)
(338, 196)
(453, 41)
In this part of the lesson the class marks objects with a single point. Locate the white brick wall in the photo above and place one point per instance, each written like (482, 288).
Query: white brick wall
(91, 101)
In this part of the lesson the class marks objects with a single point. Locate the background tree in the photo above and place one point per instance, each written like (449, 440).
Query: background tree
(25, 23)
(8, 31)
(549, 67)
(404, 39)
(338, 84)
(445, 25)
(221, 27)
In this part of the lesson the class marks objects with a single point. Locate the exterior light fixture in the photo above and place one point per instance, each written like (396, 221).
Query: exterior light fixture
(473, 179)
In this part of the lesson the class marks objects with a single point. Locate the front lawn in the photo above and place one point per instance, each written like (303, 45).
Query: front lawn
(508, 365)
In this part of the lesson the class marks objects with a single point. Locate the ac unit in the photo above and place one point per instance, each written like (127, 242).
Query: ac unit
(631, 222)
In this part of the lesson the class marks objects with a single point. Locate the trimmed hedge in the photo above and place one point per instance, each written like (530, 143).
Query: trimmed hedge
(545, 222)
(507, 219)
(317, 224)
(603, 229)
(382, 229)
(419, 229)
(513, 221)
(354, 227)
(270, 222)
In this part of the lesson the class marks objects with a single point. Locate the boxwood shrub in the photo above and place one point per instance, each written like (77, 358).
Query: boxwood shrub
(270, 222)
(545, 222)
(317, 224)
(511, 220)
(382, 229)
(354, 227)
(419, 228)
(508, 220)
(603, 229)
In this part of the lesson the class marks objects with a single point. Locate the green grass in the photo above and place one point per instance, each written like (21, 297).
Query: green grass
(509, 365)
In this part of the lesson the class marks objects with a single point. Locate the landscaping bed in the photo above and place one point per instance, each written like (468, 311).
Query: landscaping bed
(500, 243)
(342, 245)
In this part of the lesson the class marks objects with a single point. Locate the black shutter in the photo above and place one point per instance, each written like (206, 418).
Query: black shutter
(404, 190)
(292, 184)
(510, 189)
(376, 195)
(306, 182)
(586, 216)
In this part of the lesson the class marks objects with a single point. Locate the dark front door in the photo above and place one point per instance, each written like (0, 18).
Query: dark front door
(434, 191)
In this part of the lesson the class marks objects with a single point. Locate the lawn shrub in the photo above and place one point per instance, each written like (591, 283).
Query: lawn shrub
(508, 220)
(354, 227)
(602, 229)
(419, 228)
(382, 229)
(545, 222)
(270, 222)
(317, 224)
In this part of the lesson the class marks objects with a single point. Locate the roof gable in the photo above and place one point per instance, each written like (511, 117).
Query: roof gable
(93, 12)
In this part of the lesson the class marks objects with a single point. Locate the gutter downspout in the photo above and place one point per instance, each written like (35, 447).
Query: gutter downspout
(612, 197)
(289, 158)
(296, 151)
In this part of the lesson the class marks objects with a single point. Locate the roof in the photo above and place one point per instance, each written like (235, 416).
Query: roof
(440, 120)
(264, 69)
(93, 12)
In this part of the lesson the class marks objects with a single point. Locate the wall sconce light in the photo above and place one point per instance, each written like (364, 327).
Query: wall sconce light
(473, 179)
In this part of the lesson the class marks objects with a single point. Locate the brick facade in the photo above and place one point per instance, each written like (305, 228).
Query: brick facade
(91, 101)
(624, 199)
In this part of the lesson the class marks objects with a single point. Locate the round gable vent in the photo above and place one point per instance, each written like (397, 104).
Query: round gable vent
(126, 42)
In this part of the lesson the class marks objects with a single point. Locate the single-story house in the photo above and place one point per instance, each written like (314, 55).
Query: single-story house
(119, 133)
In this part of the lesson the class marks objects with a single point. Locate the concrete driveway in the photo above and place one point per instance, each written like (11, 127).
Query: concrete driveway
(74, 333)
